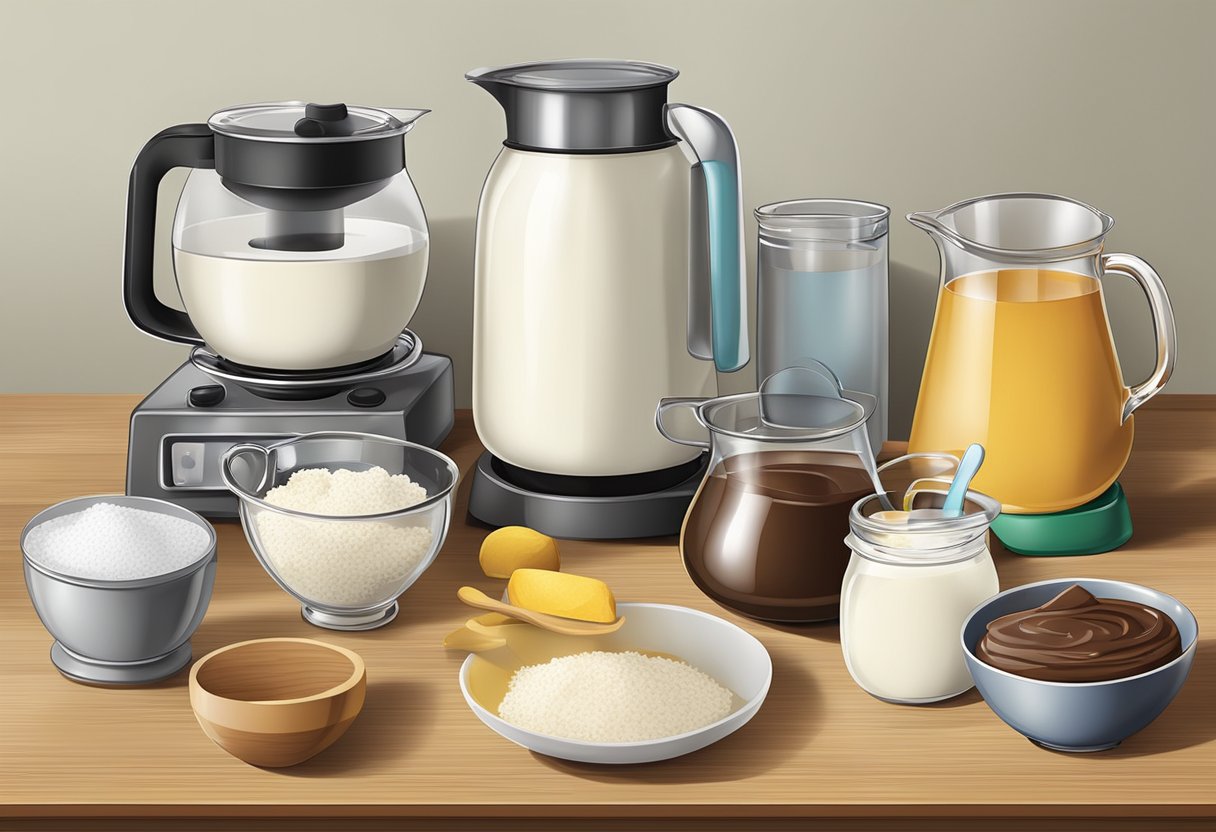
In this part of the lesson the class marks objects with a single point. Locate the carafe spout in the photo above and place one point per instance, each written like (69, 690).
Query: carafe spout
(405, 116)
(481, 77)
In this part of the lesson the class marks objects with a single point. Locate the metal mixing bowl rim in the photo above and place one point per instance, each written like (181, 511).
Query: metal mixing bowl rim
(431, 500)
(1066, 582)
(208, 556)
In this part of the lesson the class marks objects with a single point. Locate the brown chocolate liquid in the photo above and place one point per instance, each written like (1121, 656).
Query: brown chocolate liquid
(765, 534)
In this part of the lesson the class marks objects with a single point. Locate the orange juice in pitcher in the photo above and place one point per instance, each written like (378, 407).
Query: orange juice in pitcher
(1021, 357)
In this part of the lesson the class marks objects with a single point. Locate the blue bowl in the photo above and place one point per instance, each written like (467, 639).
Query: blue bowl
(1078, 716)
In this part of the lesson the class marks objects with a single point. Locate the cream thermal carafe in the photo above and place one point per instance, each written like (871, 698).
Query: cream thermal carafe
(609, 274)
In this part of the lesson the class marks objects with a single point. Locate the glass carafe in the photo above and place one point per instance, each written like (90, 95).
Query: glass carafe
(299, 241)
(764, 535)
(1021, 357)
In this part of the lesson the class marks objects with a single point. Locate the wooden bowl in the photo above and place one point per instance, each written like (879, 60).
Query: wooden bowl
(276, 702)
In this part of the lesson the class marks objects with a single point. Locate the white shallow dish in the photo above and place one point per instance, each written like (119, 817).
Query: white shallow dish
(727, 653)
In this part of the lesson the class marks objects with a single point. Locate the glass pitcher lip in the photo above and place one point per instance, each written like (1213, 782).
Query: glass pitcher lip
(779, 434)
(931, 222)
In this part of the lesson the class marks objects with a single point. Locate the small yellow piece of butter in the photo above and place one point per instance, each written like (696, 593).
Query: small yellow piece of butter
(471, 641)
(517, 547)
(562, 594)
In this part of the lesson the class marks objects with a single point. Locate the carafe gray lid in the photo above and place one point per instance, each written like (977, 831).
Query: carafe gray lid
(581, 106)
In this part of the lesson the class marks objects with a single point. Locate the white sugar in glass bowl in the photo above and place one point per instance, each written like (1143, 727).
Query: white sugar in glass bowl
(346, 570)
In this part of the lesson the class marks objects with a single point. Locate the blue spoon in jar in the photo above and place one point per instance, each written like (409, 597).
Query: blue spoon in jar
(968, 467)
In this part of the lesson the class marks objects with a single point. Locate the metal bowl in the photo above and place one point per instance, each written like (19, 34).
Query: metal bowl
(121, 632)
(1078, 716)
(251, 470)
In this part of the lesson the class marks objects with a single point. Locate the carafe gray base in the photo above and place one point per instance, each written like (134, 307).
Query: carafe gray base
(498, 502)
(92, 672)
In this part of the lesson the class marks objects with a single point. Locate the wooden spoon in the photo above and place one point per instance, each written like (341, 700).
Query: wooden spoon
(565, 626)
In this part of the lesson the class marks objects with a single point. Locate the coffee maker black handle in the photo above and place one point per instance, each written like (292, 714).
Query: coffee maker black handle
(186, 145)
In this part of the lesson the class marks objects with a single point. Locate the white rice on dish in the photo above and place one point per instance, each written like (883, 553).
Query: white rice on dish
(613, 697)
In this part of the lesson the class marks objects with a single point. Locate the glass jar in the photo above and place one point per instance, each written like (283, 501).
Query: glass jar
(821, 293)
(908, 588)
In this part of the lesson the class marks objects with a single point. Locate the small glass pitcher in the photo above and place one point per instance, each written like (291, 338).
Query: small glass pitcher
(1021, 358)
(764, 535)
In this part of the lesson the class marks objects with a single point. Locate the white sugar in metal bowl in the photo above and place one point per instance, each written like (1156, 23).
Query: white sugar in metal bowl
(726, 653)
(121, 583)
(109, 542)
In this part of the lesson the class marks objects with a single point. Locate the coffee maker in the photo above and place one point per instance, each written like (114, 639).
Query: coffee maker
(300, 251)
(609, 275)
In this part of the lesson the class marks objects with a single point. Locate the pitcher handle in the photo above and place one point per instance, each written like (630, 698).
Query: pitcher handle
(670, 403)
(709, 144)
(1163, 325)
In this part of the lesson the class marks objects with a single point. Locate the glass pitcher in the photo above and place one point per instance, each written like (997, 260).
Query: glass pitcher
(764, 535)
(1021, 357)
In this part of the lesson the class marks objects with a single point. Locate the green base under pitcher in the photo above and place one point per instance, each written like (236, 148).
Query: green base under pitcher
(1100, 525)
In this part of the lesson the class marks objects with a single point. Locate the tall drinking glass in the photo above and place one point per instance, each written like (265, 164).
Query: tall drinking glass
(822, 294)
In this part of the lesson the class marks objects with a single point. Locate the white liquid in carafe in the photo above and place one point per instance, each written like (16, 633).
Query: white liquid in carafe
(300, 309)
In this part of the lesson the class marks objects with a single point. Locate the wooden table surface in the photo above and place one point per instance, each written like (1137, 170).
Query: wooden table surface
(819, 748)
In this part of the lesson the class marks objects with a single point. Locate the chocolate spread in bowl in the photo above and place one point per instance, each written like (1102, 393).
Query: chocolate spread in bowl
(1076, 637)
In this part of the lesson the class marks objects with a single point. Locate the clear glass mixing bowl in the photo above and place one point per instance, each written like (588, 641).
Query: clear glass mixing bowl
(346, 571)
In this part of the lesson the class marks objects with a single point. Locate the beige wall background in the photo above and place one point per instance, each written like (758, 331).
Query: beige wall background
(913, 104)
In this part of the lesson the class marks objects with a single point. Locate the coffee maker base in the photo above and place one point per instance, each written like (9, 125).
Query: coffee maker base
(180, 431)
(496, 500)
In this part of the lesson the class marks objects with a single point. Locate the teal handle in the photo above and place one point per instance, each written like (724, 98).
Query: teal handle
(726, 301)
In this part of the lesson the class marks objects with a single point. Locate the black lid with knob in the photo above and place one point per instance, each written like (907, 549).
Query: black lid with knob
(306, 149)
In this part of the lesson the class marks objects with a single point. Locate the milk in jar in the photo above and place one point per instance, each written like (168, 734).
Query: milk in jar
(908, 588)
